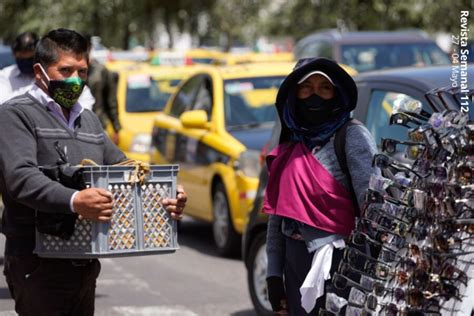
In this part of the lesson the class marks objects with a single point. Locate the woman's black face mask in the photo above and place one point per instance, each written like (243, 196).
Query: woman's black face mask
(314, 110)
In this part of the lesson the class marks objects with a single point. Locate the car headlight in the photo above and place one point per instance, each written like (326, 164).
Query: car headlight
(249, 163)
(141, 144)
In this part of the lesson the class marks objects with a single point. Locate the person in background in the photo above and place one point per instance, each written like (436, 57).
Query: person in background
(308, 196)
(34, 125)
(103, 86)
(19, 77)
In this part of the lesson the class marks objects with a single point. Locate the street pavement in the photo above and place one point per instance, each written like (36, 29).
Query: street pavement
(194, 281)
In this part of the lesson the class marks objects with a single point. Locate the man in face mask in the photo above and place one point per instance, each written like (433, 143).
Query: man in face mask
(18, 78)
(34, 125)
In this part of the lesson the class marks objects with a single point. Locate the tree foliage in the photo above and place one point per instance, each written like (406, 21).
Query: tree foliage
(224, 22)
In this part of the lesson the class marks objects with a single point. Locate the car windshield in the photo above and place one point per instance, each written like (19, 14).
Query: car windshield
(250, 101)
(366, 57)
(148, 94)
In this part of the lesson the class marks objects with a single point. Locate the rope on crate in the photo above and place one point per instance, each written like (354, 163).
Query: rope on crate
(142, 169)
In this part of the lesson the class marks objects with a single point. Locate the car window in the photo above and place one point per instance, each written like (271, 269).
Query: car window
(148, 94)
(250, 101)
(379, 112)
(366, 57)
(203, 99)
(316, 49)
(6, 57)
(185, 97)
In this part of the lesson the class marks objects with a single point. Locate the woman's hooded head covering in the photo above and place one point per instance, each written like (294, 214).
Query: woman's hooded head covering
(346, 92)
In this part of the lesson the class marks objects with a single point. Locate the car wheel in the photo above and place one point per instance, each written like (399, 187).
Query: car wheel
(257, 275)
(225, 237)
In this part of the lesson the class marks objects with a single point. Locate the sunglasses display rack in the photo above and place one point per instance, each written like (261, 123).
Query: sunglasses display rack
(412, 251)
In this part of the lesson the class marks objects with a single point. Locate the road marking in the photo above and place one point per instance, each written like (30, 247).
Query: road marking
(127, 278)
(146, 311)
(134, 311)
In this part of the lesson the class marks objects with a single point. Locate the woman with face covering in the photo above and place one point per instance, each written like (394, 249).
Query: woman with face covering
(312, 200)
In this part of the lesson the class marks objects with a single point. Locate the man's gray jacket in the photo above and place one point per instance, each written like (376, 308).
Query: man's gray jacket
(27, 137)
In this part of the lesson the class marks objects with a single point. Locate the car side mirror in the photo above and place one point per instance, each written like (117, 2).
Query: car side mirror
(194, 119)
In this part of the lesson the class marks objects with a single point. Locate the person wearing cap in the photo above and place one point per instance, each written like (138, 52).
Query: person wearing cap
(19, 77)
(308, 196)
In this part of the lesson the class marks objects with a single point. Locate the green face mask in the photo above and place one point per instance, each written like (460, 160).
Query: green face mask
(65, 92)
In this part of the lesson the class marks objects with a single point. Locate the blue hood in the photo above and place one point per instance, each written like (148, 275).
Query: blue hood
(253, 138)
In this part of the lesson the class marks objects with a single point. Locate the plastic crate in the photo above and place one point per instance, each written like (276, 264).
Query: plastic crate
(140, 224)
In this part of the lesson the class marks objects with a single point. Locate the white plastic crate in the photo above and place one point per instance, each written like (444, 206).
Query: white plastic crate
(140, 224)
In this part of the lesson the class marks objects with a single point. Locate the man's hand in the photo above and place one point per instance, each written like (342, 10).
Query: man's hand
(176, 206)
(115, 138)
(95, 204)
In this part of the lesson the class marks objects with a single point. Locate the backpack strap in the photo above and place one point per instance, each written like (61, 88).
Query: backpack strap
(340, 149)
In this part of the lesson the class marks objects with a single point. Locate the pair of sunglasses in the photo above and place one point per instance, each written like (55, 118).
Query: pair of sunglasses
(404, 119)
(372, 196)
(341, 282)
(352, 256)
(413, 150)
(383, 162)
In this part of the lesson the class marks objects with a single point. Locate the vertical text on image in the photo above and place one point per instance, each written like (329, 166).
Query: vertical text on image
(463, 56)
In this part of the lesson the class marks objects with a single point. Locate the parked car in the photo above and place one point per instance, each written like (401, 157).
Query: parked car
(214, 126)
(142, 91)
(366, 51)
(6, 56)
(378, 92)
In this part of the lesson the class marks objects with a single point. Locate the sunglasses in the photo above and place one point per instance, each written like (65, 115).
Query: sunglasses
(463, 173)
(341, 282)
(458, 191)
(457, 206)
(372, 196)
(413, 150)
(378, 214)
(450, 272)
(429, 251)
(380, 183)
(398, 229)
(453, 226)
(334, 303)
(346, 269)
(421, 134)
(383, 162)
(444, 289)
(445, 244)
(351, 255)
(404, 119)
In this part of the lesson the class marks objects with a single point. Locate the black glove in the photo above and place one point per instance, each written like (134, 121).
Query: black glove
(276, 293)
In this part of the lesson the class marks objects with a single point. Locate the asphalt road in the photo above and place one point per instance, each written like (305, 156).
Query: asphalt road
(193, 281)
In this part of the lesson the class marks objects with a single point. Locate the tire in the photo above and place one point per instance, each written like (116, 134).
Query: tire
(257, 274)
(227, 240)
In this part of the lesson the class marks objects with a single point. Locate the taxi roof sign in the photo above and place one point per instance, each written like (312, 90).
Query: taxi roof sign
(171, 59)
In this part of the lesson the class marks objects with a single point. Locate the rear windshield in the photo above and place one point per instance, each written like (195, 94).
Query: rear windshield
(148, 94)
(366, 57)
(250, 101)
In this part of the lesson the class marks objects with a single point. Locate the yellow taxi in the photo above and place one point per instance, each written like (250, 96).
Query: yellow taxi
(253, 57)
(142, 91)
(188, 57)
(214, 127)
